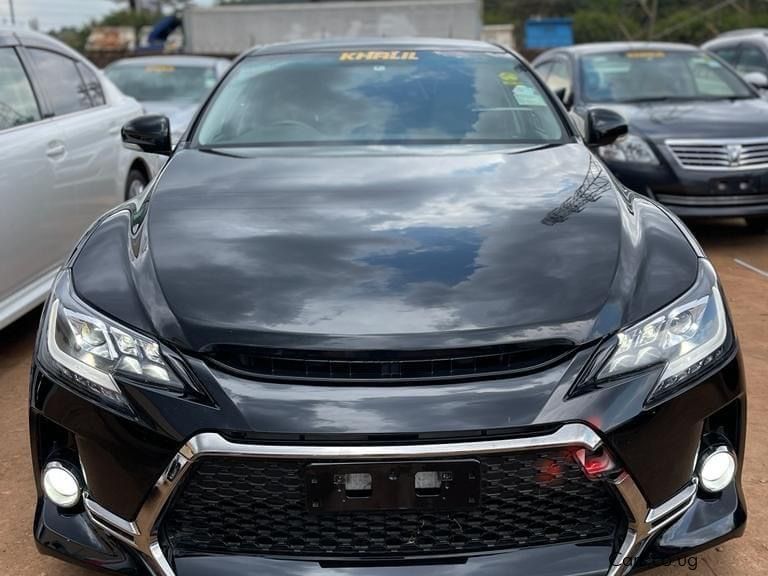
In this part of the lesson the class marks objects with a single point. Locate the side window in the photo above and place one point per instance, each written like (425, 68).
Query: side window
(560, 76)
(61, 80)
(17, 100)
(752, 60)
(92, 84)
(543, 69)
(728, 53)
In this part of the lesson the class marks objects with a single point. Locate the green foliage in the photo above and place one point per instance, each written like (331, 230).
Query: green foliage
(690, 21)
(73, 37)
(135, 19)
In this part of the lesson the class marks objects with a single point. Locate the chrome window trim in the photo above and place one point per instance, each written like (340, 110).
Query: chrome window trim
(142, 533)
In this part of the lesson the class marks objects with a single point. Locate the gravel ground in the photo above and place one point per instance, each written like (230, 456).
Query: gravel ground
(742, 261)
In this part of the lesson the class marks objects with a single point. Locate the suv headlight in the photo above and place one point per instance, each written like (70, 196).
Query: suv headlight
(91, 352)
(630, 148)
(686, 337)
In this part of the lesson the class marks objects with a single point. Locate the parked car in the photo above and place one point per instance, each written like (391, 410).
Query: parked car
(173, 86)
(62, 163)
(384, 312)
(745, 50)
(698, 133)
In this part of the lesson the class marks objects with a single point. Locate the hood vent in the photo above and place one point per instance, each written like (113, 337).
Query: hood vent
(387, 366)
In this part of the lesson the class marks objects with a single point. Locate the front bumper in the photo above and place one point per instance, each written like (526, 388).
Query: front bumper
(698, 193)
(666, 515)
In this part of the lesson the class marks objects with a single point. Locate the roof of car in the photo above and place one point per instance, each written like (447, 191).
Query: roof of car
(597, 47)
(171, 60)
(38, 39)
(374, 43)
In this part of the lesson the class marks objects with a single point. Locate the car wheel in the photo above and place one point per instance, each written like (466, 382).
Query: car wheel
(135, 183)
(758, 224)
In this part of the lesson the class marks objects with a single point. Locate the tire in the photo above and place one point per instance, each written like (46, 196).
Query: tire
(135, 183)
(758, 224)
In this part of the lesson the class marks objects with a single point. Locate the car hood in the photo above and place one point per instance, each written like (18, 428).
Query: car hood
(746, 118)
(179, 112)
(384, 248)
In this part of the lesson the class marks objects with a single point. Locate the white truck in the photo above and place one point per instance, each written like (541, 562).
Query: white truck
(228, 30)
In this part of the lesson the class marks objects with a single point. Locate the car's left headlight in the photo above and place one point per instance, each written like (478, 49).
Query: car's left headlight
(629, 148)
(91, 352)
(685, 337)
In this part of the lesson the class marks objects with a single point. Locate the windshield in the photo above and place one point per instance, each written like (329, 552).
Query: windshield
(648, 75)
(379, 97)
(162, 82)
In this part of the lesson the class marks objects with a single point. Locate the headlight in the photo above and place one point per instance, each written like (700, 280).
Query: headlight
(685, 337)
(629, 148)
(92, 352)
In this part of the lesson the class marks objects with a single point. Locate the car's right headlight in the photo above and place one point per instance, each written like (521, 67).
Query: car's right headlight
(91, 352)
(629, 148)
(685, 337)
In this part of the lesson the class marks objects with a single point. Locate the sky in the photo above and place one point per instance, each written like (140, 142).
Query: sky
(52, 14)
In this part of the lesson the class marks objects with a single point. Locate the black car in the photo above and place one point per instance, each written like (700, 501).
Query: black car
(383, 312)
(698, 133)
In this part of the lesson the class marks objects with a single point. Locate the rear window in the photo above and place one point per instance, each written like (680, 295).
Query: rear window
(379, 97)
(652, 74)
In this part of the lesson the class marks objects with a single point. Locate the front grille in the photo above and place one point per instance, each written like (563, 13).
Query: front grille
(248, 506)
(720, 154)
(389, 365)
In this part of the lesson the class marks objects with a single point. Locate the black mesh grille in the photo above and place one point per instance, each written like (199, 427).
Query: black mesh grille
(247, 506)
(390, 365)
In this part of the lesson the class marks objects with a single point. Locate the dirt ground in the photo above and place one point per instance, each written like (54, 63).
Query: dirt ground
(742, 261)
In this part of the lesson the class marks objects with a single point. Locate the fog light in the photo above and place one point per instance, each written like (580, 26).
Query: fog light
(717, 469)
(60, 485)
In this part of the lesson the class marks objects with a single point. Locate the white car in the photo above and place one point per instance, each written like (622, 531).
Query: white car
(62, 162)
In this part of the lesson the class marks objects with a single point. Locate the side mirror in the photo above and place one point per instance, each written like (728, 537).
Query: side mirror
(150, 134)
(604, 127)
(757, 79)
(564, 97)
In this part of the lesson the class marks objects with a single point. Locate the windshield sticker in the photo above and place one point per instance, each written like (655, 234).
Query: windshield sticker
(372, 56)
(160, 68)
(509, 78)
(646, 54)
(527, 96)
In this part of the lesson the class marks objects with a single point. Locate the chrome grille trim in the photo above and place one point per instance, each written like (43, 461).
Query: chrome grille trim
(721, 154)
(643, 521)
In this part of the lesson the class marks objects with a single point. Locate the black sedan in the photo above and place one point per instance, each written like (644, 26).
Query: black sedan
(384, 313)
(698, 133)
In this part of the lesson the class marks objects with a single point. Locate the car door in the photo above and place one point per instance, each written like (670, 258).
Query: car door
(85, 178)
(30, 149)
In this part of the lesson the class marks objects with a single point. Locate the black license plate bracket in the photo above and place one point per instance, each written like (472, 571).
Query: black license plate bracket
(396, 485)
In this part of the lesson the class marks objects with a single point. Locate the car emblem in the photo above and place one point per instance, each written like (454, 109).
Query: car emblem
(734, 154)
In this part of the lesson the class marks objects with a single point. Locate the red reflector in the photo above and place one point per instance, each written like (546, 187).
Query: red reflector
(595, 463)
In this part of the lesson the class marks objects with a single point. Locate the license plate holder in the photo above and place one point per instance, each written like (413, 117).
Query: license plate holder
(397, 485)
(730, 185)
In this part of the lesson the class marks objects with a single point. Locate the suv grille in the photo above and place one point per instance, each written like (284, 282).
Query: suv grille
(249, 506)
(390, 365)
(720, 154)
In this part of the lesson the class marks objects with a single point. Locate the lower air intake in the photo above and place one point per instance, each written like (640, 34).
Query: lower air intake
(236, 505)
